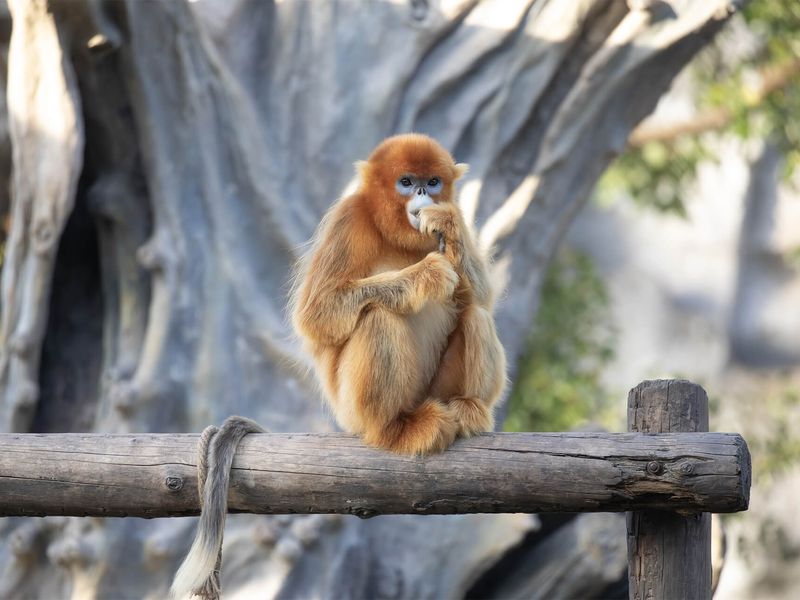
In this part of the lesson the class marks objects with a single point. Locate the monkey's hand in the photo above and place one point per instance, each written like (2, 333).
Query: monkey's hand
(444, 219)
(434, 279)
(461, 249)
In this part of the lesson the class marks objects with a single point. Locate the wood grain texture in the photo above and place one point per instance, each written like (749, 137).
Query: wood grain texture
(153, 475)
(669, 555)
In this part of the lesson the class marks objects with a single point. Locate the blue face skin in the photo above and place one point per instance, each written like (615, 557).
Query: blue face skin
(420, 191)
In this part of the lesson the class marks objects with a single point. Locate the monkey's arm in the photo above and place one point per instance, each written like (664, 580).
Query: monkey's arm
(474, 271)
(329, 306)
(462, 250)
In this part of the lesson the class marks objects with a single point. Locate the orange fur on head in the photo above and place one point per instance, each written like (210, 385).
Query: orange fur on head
(402, 334)
(394, 157)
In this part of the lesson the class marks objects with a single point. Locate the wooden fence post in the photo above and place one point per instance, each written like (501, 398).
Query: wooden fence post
(669, 555)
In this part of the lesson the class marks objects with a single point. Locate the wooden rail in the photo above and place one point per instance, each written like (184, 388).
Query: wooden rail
(153, 475)
(668, 471)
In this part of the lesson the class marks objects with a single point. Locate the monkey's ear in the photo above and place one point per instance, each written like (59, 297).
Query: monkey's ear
(461, 170)
(361, 168)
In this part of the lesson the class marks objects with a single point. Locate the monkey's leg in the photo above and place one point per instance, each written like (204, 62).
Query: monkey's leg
(383, 377)
(472, 374)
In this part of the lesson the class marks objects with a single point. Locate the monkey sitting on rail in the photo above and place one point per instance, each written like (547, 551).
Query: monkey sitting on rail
(395, 305)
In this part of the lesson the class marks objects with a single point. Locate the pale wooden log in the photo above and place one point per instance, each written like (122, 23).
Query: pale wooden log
(153, 475)
(669, 555)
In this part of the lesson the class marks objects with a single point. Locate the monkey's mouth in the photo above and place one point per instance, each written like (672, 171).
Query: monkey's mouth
(413, 218)
(414, 206)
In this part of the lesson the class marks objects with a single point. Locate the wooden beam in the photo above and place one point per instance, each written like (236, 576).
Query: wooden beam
(669, 555)
(153, 475)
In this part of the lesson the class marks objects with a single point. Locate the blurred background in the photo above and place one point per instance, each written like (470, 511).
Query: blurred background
(686, 263)
(634, 170)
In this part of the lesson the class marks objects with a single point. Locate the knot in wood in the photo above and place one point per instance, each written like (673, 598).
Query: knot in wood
(421, 507)
(364, 513)
(173, 483)
(43, 237)
(687, 468)
(654, 467)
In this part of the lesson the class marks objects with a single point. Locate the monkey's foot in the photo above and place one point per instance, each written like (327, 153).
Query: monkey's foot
(472, 415)
(430, 428)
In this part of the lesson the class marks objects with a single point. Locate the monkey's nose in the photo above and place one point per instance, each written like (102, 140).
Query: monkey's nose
(422, 192)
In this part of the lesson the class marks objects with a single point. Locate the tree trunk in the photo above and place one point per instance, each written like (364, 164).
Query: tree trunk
(169, 161)
(766, 282)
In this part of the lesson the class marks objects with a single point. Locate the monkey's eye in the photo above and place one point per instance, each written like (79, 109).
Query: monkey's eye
(405, 182)
(434, 182)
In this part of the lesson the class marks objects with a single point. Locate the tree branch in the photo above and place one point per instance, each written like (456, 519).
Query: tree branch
(771, 79)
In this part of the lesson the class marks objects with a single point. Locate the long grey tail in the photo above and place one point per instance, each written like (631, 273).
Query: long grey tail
(199, 572)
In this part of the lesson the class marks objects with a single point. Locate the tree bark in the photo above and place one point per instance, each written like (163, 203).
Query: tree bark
(202, 142)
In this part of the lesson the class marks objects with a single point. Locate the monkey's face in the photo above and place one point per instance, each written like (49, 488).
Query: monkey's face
(419, 192)
(403, 175)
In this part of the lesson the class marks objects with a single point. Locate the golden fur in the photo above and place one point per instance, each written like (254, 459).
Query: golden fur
(402, 334)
